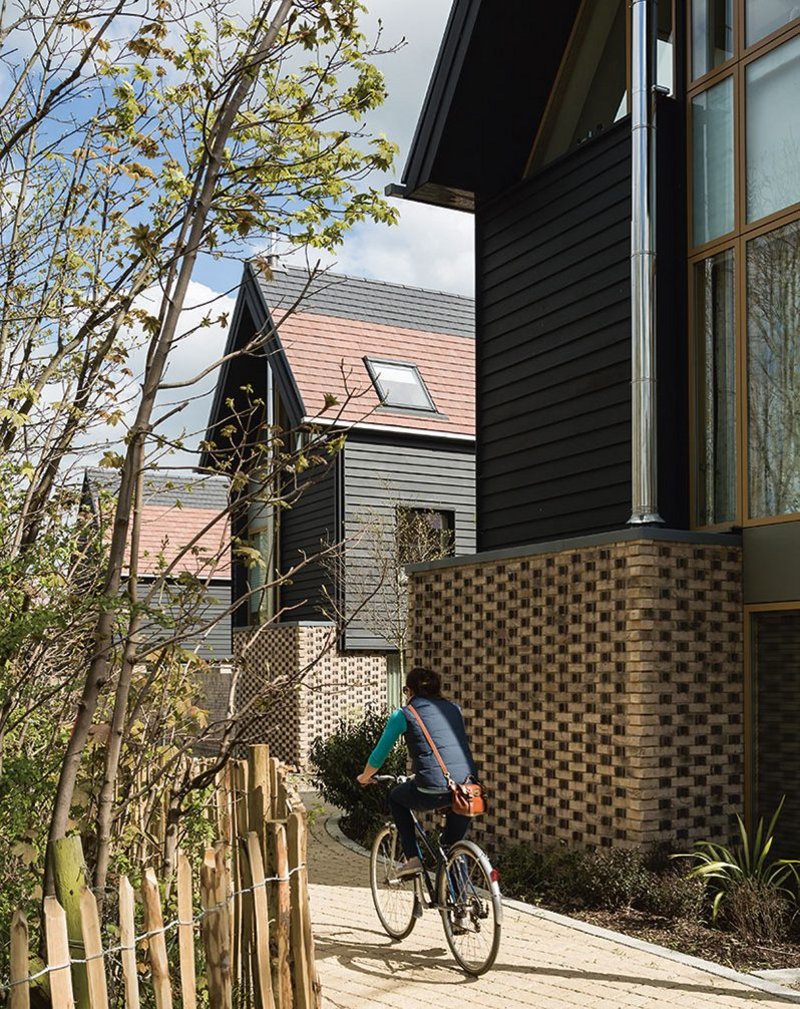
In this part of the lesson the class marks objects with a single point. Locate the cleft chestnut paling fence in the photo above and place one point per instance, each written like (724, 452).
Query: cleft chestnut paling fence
(241, 931)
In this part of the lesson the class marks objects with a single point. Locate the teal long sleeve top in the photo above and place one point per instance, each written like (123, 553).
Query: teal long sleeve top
(395, 727)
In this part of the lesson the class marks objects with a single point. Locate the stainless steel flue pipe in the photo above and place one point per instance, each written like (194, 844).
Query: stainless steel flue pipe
(644, 459)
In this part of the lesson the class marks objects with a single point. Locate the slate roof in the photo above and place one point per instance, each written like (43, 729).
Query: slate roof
(175, 509)
(375, 301)
(345, 319)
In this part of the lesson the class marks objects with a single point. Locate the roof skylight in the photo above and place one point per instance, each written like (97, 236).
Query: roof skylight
(399, 385)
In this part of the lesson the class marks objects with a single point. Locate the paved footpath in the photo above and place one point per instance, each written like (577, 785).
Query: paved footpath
(542, 963)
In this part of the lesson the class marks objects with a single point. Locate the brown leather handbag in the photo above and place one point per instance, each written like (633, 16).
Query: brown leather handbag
(467, 798)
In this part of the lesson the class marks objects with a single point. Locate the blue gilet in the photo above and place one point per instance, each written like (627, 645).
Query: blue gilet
(445, 723)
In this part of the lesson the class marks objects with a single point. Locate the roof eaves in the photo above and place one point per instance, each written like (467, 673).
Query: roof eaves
(416, 182)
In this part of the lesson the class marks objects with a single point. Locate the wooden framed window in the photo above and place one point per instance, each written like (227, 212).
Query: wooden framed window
(591, 91)
(744, 261)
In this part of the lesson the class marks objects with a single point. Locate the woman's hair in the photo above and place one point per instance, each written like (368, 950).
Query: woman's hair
(424, 682)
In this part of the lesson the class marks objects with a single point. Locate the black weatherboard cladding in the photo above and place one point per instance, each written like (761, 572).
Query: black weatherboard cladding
(553, 364)
(379, 477)
(554, 332)
(305, 527)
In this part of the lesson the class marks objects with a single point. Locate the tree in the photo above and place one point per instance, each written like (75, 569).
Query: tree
(367, 573)
(135, 140)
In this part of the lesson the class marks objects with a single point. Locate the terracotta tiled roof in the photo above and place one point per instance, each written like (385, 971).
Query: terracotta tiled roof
(326, 355)
(168, 530)
(175, 509)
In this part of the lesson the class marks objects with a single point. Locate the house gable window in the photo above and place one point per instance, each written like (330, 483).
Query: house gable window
(745, 261)
(591, 90)
(399, 385)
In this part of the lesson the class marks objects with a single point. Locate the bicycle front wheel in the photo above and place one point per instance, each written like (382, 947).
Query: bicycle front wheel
(395, 899)
(469, 901)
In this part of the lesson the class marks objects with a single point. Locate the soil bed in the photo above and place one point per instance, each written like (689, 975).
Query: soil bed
(696, 940)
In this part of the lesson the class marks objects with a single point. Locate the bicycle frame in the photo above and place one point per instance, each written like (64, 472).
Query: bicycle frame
(436, 854)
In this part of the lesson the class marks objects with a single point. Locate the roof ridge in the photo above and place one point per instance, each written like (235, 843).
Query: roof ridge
(371, 280)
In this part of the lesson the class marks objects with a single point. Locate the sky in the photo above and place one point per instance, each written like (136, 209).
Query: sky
(430, 247)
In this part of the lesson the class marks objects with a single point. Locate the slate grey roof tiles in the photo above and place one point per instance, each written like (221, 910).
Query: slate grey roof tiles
(167, 488)
(370, 301)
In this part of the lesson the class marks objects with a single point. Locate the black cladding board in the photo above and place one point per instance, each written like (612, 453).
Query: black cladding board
(379, 477)
(304, 529)
(554, 368)
(204, 627)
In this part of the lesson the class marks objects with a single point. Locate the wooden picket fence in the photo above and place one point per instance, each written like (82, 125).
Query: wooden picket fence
(253, 916)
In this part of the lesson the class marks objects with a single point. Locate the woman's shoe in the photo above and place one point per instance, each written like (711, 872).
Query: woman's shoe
(411, 867)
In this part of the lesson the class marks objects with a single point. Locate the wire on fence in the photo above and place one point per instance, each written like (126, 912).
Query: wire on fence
(75, 961)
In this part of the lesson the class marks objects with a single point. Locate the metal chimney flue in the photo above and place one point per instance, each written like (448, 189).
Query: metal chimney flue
(644, 456)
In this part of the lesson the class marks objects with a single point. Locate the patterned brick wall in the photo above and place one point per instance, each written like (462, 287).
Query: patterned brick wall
(295, 685)
(603, 688)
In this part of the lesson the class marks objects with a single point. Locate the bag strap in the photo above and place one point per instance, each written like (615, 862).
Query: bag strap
(431, 743)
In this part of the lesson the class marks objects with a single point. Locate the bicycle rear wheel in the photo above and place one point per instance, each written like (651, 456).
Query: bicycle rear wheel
(395, 899)
(469, 901)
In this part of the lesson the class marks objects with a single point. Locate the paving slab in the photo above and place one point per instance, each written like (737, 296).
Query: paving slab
(545, 960)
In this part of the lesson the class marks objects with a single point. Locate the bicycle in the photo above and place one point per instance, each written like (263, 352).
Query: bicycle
(465, 890)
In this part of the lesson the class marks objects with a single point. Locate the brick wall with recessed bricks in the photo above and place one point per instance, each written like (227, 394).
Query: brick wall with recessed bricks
(287, 713)
(602, 688)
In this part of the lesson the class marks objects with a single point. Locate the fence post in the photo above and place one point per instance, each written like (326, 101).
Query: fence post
(273, 813)
(261, 970)
(243, 936)
(20, 992)
(127, 940)
(69, 873)
(223, 884)
(301, 969)
(186, 934)
(58, 956)
(282, 984)
(259, 787)
(154, 922)
(214, 939)
(93, 943)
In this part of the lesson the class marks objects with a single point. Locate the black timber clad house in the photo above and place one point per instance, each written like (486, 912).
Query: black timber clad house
(394, 457)
(530, 130)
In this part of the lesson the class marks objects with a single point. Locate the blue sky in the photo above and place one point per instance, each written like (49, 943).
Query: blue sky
(430, 247)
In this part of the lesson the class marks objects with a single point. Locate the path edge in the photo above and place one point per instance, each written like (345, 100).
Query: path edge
(748, 980)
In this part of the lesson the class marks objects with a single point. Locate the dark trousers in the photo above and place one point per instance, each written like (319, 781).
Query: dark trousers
(405, 797)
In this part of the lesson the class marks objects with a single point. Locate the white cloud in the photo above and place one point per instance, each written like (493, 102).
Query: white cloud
(430, 247)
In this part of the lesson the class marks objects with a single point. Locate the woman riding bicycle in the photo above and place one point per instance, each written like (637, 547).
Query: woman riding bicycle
(428, 788)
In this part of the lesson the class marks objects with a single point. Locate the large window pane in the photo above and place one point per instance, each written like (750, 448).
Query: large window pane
(773, 372)
(773, 131)
(776, 669)
(592, 92)
(715, 394)
(766, 16)
(712, 34)
(712, 153)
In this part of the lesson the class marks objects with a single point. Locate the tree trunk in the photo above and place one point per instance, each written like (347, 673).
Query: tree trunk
(172, 306)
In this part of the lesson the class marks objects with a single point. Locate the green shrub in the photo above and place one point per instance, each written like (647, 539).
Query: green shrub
(337, 760)
(521, 871)
(613, 878)
(745, 869)
(605, 879)
(673, 894)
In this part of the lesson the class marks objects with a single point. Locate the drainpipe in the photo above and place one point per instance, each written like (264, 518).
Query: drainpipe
(644, 489)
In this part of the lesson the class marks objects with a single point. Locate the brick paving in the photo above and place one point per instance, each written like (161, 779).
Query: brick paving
(541, 963)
